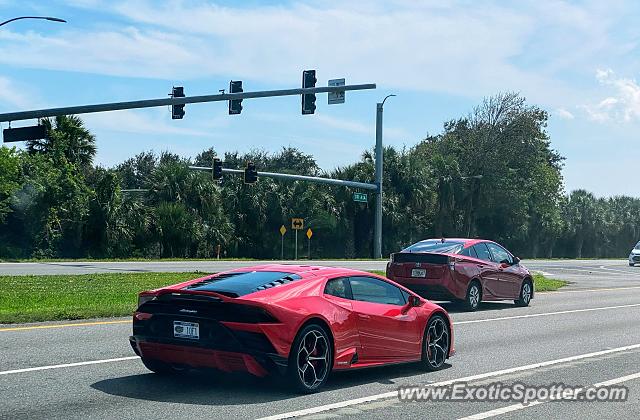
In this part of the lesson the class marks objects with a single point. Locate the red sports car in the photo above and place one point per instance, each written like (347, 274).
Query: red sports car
(469, 270)
(296, 320)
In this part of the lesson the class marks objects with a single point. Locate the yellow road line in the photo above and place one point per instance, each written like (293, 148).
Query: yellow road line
(83, 324)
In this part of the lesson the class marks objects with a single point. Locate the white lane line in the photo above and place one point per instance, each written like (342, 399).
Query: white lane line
(572, 311)
(600, 289)
(391, 394)
(67, 365)
(520, 406)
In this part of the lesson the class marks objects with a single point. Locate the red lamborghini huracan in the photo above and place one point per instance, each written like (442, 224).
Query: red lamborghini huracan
(296, 320)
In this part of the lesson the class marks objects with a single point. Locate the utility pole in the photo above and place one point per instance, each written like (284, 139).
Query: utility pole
(377, 232)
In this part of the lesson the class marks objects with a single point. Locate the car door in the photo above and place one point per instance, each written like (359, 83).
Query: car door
(387, 329)
(488, 271)
(508, 274)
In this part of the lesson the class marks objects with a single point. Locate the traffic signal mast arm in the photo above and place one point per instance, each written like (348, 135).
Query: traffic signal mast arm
(275, 175)
(150, 103)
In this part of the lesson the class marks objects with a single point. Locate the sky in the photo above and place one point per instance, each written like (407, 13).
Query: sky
(576, 59)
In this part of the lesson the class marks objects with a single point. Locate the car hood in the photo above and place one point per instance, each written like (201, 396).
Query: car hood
(635, 251)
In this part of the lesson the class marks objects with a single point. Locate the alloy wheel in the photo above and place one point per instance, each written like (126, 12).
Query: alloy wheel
(313, 359)
(437, 342)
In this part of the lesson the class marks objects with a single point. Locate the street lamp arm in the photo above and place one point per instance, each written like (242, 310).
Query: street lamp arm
(385, 98)
(52, 19)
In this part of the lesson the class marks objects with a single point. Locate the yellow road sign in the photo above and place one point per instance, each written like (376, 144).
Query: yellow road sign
(283, 230)
(297, 223)
(309, 233)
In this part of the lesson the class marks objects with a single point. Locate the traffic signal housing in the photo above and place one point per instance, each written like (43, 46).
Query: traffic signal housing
(235, 105)
(177, 111)
(217, 168)
(308, 99)
(250, 173)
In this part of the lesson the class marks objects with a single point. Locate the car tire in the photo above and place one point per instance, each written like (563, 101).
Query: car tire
(526, 291)
(435, 343)
(631, 264)
(473, 297)
(310, 359)
(159, 367)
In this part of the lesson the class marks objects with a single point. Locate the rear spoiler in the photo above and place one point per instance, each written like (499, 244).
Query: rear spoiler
(420, 257)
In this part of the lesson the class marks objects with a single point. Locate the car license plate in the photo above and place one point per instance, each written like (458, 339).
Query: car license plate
(189, 330)
(418, 272)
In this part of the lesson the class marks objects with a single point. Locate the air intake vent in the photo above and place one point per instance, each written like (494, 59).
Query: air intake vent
(279, 282)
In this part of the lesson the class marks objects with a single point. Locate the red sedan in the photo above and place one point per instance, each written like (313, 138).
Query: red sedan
(299, 321)
(469, 270)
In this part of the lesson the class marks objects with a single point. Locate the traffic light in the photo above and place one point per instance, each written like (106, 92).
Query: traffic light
(250, 173)
(235, 105)
(308, 100)
(177, 111)
(217, 168)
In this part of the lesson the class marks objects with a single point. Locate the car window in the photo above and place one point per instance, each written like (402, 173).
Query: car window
(368, 289)
(482, 251)
(437, 246)
(500, 254)
(338, 287)
(469, 252)
(638, 245)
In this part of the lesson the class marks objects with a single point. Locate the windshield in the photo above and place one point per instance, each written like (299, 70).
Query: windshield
(436, 246)
(637, 246)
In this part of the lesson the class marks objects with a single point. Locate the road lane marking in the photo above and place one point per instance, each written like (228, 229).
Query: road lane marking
(67, 365)
(572, 311)
(391, 394)
(520, 406)
(600, 289)
(78, 324)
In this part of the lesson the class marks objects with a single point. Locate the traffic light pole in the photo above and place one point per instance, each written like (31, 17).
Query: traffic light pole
(377, 228)
(150, 103)
(290, 177)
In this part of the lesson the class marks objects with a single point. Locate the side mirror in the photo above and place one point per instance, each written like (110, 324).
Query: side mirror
(516, 260)
(412, 302)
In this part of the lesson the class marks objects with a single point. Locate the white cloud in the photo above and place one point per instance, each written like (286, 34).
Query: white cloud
(459, 48)
(564, 114)
(622, 105)
(14, 95)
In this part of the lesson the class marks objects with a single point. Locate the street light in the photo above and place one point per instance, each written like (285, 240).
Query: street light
(52, 19)
(377, 231)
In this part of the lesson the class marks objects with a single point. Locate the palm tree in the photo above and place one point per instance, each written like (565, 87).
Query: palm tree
(66, 137)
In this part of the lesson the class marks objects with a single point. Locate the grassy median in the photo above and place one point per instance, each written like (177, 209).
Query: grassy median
(58, 297)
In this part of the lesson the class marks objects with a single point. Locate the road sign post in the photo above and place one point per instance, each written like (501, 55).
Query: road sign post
(309, 235)
(297, 224)
(283, 230)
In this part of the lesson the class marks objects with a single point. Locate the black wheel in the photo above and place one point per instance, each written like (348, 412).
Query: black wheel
(474, 296)
(159, 367)
(631, 264)
(310, 359)
(435, 347)
(526, 291)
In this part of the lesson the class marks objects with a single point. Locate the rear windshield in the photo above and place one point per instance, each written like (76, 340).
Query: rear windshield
(240, 284)
(436, 246)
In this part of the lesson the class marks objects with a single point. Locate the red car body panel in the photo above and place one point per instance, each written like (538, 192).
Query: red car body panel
(363, 333)
(449, 277)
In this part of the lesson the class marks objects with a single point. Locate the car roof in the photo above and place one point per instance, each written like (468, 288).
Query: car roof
(465, 241)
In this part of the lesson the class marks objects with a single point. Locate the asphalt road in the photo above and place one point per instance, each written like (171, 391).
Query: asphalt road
(581, 273)
(70, 372)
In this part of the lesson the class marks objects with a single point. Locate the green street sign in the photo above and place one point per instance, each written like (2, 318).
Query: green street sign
(361, 197)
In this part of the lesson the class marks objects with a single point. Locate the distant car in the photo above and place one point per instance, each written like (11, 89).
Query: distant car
(634, 257)
(299, 321)
(468, 270)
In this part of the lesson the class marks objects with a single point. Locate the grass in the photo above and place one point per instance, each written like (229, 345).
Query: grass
(58, 297)
(49, 298)
(545, 284)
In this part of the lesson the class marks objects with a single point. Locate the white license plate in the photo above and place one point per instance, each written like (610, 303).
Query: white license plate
(418, 272)
(189, 330)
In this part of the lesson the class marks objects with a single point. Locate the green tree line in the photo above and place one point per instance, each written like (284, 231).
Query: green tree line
(489, 174)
